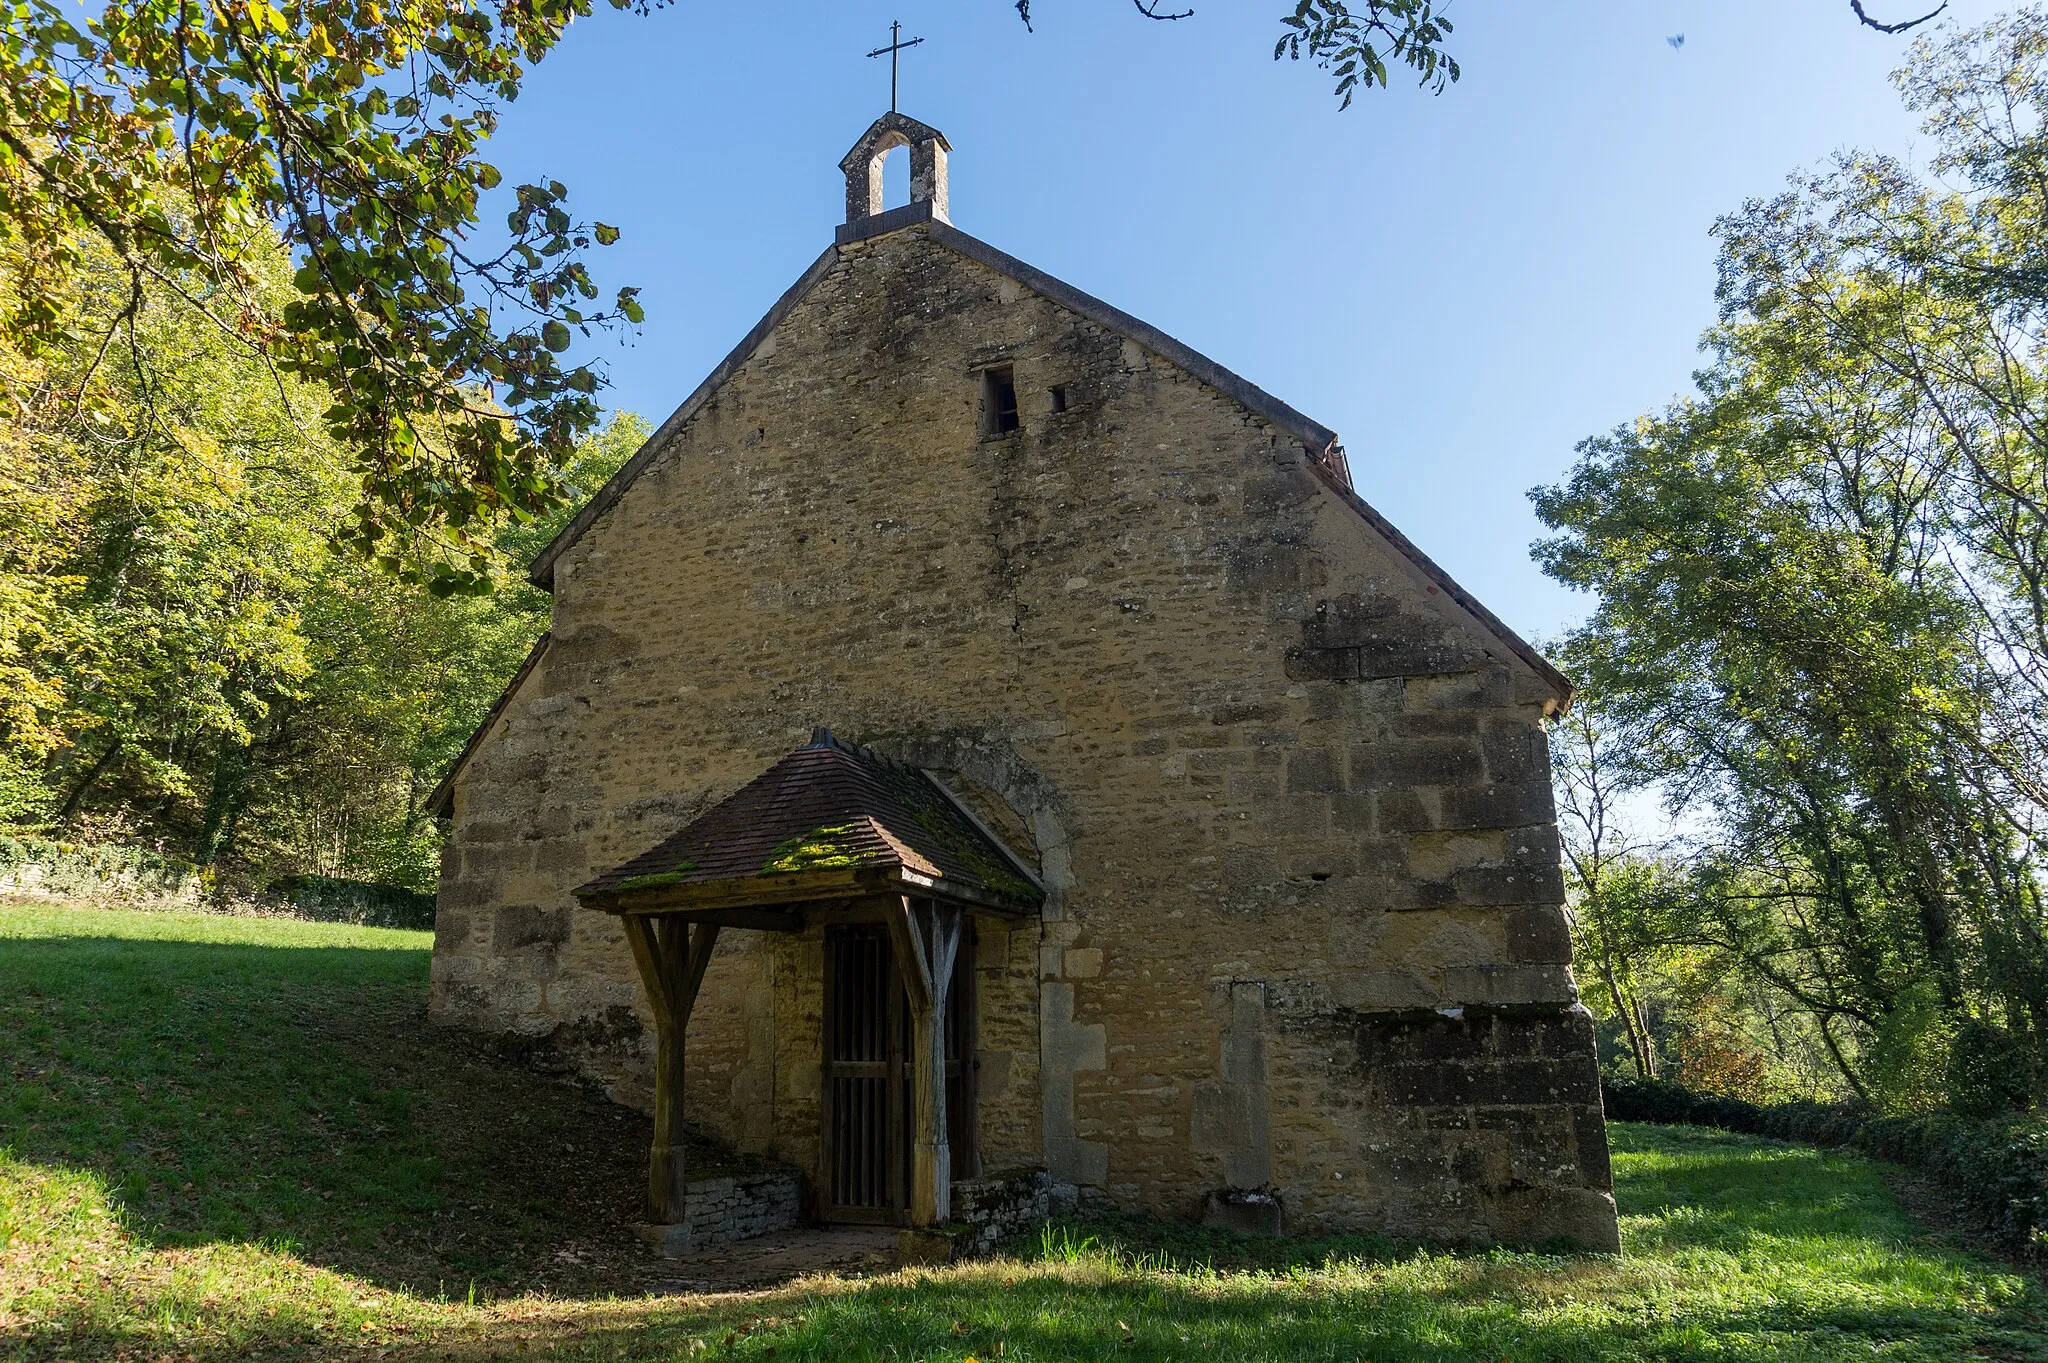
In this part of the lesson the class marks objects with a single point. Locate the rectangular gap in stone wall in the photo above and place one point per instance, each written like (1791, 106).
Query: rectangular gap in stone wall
(998, 400)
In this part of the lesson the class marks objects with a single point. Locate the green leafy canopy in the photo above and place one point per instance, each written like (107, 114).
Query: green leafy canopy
(1823, 582)
(1355, 47)
(178, 133)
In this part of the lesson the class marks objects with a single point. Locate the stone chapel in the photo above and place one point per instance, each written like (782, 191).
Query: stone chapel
(987, 757)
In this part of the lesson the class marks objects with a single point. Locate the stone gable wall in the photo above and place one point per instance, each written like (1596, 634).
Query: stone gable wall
(1290, 803)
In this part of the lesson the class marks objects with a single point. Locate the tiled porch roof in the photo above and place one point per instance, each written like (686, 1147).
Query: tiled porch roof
(828, 807)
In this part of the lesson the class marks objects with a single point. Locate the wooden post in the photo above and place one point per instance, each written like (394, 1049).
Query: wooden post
(672, 959)
(927, 940)
(665, 1171)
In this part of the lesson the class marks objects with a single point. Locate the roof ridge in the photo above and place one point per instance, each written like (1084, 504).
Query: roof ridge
(905, 853)
(441, 801)
(1471, 604)
(824, 738)
(541, 572)
(1319, 439)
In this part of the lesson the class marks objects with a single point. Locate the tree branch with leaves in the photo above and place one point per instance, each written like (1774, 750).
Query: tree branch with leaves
(172, 131)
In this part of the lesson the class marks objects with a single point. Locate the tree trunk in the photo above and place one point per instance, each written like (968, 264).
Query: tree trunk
(69, 808)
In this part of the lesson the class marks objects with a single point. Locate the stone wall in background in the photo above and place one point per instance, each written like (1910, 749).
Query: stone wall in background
(47, 868)
(138, 877)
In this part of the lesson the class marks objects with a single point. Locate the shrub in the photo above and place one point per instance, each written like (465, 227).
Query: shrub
(66, 868)
(364, 902)
(1990, 1071)
(44, 866)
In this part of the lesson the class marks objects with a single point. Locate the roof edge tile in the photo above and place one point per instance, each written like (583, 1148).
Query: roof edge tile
(441, 804)
(541, 572)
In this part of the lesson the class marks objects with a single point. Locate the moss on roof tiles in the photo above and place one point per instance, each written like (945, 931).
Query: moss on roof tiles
(859, 809)
(943, 823)
(821, 849)
(660, 880)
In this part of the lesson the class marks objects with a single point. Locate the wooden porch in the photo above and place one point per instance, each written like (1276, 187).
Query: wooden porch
(830, 835)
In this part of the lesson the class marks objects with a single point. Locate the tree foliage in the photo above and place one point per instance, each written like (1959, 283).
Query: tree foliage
(1356, 42)
(1822, 621)
(174, 135)
(190, 656)
(1356, 45)
(1611, 881)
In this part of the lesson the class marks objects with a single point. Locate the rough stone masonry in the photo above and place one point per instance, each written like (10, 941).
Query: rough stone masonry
(1286, 785)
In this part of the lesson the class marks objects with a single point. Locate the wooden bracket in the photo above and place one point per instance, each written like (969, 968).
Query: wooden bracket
(912, 962)
(945, 947)
(646, 947)
(703, 938)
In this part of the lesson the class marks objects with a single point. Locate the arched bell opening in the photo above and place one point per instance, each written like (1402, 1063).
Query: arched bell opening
(865, 167)
(880, 163)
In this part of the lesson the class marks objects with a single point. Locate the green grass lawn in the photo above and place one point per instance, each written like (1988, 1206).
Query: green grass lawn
(267, 1080)
(235, 1137)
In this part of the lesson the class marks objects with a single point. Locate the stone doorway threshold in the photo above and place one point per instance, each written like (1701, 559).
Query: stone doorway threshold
(777, 1258)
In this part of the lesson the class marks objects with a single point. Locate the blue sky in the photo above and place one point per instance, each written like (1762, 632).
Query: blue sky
(1464, 286)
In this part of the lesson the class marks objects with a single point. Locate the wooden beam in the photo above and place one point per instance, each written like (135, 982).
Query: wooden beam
(666, 1181)
(911, 962)
(647, 956)
(945, 948)
(802, 887)
(751, 891)
(935, 930)
(672, 959)
(973, 896)
(703, 938)
(965, 1080)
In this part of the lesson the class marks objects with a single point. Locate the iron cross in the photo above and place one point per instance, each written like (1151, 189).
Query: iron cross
(896, 44)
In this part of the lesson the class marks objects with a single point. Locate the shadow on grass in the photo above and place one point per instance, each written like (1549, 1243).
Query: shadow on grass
(1440, 1308)
(1430, 1314)
(298, 1097)
(233, 1100)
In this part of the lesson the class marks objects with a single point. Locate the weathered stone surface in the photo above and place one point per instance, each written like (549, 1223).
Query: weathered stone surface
(1313, 770)
(725, 1208)
(993, 1207)
(524, 925)
(1388, 636)
(1405, 763)
(1538, 934)
(1253, 1212)
(1279, 786)
(1322, 664)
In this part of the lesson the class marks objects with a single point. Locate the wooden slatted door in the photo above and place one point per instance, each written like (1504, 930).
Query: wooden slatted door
(866, 1061)
(867, 1109)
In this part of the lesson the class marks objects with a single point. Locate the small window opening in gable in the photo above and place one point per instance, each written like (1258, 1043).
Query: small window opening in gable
(998, 400)
(1059, 397)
